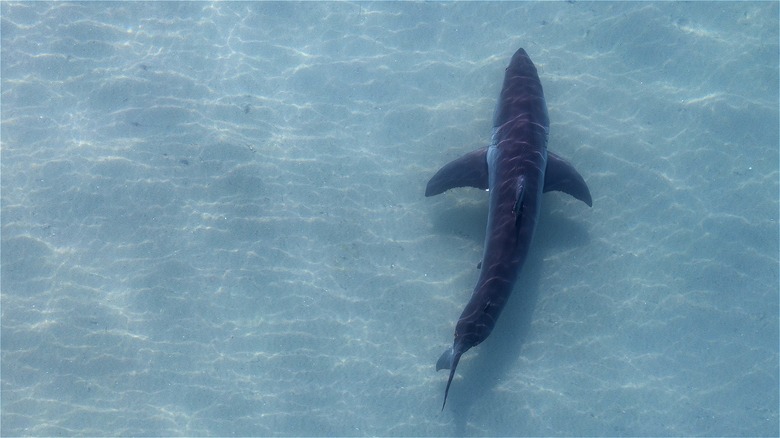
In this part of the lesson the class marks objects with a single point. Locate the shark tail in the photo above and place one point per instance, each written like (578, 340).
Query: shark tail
(448, 360)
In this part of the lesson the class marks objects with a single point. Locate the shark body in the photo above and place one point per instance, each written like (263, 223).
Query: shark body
(516, 168)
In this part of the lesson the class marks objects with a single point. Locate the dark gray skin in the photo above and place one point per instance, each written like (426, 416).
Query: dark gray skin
(517, 169)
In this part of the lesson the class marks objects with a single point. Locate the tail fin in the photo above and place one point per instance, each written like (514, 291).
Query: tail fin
(448, 360)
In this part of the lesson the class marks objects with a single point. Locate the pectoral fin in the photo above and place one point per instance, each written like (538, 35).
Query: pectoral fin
(470, 170)
(562, 176)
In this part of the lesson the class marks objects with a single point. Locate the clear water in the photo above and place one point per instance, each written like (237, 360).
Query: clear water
(213, 220)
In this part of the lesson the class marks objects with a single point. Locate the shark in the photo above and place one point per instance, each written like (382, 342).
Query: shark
(515, 168)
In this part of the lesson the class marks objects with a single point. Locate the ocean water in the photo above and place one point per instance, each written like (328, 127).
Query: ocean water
(213, 220)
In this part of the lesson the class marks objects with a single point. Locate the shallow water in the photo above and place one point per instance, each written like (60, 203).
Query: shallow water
(213, 220)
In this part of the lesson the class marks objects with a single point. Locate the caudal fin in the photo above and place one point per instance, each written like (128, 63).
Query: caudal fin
(448, 360)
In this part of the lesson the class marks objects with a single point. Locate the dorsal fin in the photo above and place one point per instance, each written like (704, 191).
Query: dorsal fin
(518, 207)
